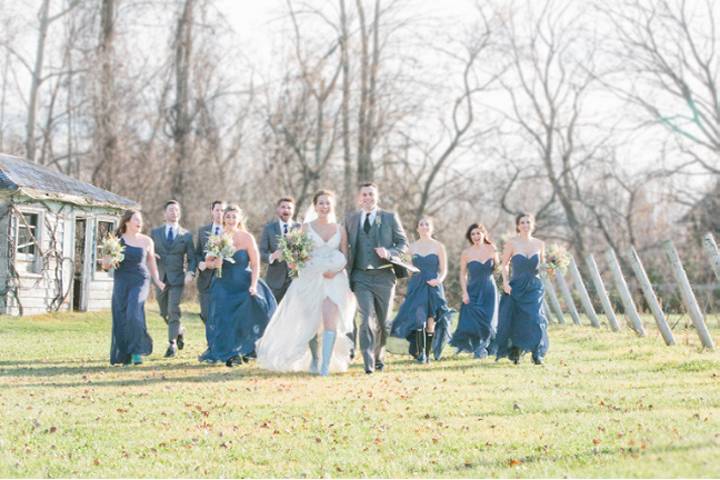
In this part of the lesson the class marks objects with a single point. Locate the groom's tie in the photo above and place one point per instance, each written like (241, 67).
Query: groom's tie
(170, 235)
(366, 223)
(285, 227)
(217, 230)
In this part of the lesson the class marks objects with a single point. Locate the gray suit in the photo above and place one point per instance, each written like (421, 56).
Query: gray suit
(373, 280)
(171, 268)
(278, 275)
(204, 278)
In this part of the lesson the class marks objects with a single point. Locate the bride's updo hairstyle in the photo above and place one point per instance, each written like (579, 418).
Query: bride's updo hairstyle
(320, 193)
(234, 207)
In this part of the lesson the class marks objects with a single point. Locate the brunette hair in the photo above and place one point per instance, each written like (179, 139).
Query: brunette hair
(217, 202)
(285, 199)
(481, 227)
(520, 216)
(320, 193)
(126, 216)
(368, 184)
(171, 202)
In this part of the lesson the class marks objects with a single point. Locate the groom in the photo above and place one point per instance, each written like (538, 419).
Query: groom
(374, 236)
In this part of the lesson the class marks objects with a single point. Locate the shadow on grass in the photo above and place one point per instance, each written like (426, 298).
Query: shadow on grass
(582, 458)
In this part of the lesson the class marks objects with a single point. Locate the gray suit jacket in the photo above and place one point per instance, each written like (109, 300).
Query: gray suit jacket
(277, 273)
(205, 277)
(171, 264)
(390, 235)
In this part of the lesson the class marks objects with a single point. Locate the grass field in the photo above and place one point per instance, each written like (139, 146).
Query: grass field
(604, 405)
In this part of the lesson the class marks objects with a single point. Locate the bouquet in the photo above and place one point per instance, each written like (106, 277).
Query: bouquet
(113, 250)
(221, 246)
(296, 248)
(557, 259)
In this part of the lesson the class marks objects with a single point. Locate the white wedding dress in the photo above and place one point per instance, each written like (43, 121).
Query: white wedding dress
(298, 318)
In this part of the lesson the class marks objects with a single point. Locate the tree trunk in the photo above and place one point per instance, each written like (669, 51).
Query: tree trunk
(44, 23)
(107, 134)
(348, 190)
(181, 127)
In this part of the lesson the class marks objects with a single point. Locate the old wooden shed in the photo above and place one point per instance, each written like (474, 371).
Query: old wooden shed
(50, 227)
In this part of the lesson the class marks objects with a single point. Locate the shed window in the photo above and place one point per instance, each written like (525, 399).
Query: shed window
(104, 228)
(28, 233)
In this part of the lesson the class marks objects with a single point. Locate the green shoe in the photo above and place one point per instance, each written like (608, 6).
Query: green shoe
(136, 359)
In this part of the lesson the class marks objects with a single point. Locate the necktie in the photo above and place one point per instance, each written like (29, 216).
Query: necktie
(366, 224)
(217, 230)
(170, 236)
(285, 229)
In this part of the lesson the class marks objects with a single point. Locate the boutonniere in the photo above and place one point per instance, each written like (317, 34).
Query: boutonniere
(378, 220)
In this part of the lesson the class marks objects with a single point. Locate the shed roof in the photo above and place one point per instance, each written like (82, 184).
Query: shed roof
(40, 182)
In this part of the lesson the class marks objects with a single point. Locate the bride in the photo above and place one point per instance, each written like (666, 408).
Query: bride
(318, 302)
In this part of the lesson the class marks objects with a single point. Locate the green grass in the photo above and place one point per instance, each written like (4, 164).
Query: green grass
(604, 405)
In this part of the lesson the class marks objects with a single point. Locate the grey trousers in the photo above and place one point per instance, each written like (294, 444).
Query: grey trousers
(374, 290)
(204, 299)
(169, 302)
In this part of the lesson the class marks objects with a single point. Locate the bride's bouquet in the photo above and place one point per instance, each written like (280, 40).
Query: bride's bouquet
(296, 248)
(221, 246)
(112, 250)
(557, 259)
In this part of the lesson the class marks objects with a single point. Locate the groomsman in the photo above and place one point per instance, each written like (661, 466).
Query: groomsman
(205, 276)
(174, 248)
(374, 235)
(278, 274)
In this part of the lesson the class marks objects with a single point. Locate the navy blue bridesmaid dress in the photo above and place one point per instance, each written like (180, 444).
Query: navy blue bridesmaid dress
(522, 326)
(236, 319)
(131, 285)
(423, 301)
(478, 319)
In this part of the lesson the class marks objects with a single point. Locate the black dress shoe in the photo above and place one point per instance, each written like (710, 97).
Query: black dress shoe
(232, 361)
(514, 355)
(171, 351)
(368, 371)
(180, 341)
(379, 366)
(537, 360)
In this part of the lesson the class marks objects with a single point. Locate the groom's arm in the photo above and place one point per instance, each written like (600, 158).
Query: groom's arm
(399, 239)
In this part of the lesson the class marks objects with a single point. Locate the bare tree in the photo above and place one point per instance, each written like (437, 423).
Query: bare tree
(669, 67)
(553, 69)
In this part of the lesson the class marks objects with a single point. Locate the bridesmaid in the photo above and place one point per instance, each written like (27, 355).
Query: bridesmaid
(131, 285)
(424, 317)
(478, 313)
(241, 304)
(522, 324)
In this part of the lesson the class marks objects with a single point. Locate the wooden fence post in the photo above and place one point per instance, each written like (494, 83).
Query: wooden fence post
(554, 302)
(546, 311)
(602, 293)
(652, 300)
(584, 295)
(712, 252)
(625, 295)
(567, 295)
(688, 296)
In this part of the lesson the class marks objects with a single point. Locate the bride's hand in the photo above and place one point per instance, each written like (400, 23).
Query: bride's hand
(253, 290)
(329, 274)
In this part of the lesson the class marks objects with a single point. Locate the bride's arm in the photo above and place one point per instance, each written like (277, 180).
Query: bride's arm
(344, 245)
(254, 262)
